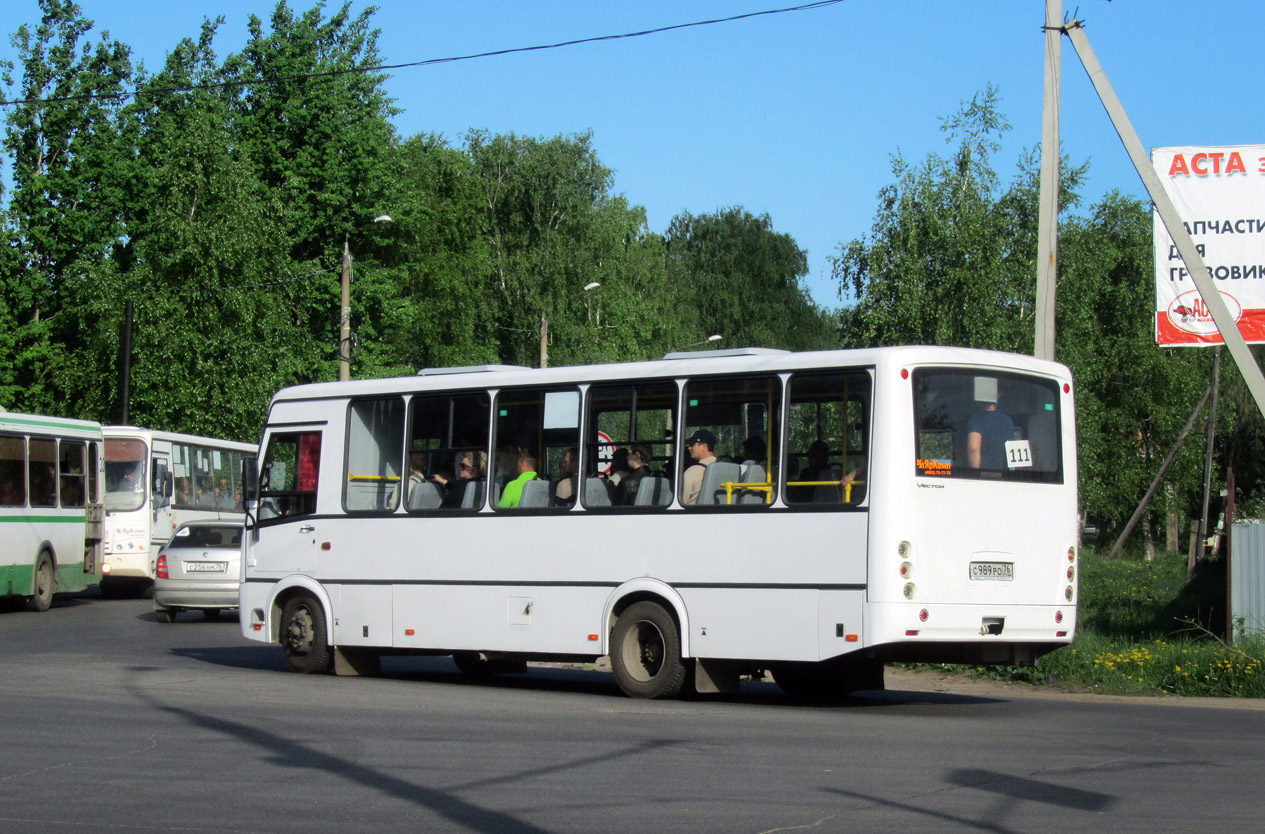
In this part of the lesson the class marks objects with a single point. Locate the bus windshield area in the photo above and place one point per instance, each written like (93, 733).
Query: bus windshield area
(971, 423)
(124, 474)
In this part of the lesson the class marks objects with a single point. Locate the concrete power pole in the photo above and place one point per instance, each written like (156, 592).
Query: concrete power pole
(1048, 218)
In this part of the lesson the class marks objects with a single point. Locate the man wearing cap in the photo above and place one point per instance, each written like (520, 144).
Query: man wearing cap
(699, 445)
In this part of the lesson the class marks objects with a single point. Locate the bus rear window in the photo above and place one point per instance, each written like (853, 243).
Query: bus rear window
(971, 423)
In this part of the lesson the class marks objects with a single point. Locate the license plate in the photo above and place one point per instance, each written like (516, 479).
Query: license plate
(205, 567)
(1004, 571)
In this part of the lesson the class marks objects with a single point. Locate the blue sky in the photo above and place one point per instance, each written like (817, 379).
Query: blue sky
(794, 115)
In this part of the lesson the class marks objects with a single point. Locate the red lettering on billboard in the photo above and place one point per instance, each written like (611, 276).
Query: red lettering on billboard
(1199, 164)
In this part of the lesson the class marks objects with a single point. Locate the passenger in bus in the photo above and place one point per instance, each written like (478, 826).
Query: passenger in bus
(506, 465)
(469, 472)
(699, 446)
(817, 469)
(416, 470)
(619, 467)
(513, 494)
(223, 495)
(183, 498)
(564, 491)
(987, 429)
(754, 453)
(638, 468)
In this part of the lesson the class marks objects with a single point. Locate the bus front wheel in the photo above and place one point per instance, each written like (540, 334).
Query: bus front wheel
(646, 652)
(45, 582)
(303, 636)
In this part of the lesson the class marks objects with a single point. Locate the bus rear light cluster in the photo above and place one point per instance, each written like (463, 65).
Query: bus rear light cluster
(904, 549)
(161, 570)
(1058, 617)
(909, 590)
(1071, 573)
(923, 615)
(1071, 554)
(906, 570)
(1067, 593)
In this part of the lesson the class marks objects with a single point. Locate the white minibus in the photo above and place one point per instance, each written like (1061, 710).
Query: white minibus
(697, 518)
(155, 481)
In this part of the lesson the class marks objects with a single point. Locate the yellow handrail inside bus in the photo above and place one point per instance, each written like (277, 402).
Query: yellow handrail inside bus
(381, 479)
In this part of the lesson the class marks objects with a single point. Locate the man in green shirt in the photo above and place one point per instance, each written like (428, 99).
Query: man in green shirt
(513, 493)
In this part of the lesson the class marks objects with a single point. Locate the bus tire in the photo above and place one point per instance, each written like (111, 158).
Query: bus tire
(44, 582)
(646, 652)
(303, 637)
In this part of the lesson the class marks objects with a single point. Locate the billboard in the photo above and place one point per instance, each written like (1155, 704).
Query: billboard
(1219, 192)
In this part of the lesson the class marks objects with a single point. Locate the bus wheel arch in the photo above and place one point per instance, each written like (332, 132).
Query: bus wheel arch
(43, 580)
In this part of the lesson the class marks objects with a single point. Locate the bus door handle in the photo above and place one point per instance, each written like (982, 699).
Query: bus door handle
(307, 528)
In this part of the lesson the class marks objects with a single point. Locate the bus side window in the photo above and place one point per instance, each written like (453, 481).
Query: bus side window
(628, 456)
(447, 453)
(742, 415)
(12, 471)
(375, 443)
(42, 472)
(828, 431)
(71, 475)
(537, 435)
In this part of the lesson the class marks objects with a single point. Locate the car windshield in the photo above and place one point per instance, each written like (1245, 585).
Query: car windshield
(225, 536)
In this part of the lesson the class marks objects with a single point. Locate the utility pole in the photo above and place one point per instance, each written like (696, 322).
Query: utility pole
(344, 326)
(544, 341)
(1048, 216)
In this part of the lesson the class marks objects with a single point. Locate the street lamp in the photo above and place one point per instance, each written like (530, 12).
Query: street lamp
(544, 328)
(344, 327)
(713, 338)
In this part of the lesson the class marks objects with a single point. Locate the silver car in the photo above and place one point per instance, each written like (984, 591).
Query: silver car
(200, 567)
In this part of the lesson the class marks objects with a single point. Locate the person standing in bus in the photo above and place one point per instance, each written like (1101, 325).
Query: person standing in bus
(988, 429)
(699, 445)
(513, 493)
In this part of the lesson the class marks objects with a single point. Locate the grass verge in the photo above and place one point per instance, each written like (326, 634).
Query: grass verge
(1144, 629)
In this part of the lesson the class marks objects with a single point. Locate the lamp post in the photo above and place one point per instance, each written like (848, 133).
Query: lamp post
(344, 326)
(544, 328)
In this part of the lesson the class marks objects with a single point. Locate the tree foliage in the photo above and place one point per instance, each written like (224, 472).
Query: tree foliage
(218, 194)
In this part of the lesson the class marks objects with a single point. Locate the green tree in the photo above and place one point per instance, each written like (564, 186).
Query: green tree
(951, 255)
(742, 280)
(67, 193)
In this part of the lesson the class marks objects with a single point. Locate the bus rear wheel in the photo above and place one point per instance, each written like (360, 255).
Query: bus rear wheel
(646, 652)
(303, 636)
(45, 583)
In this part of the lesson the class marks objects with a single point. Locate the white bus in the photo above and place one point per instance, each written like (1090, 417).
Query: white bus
(51, 470)
(909, 503)
(156, 481)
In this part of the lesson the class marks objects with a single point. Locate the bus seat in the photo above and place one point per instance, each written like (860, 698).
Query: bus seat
(653, 491)
(596, 492)
(754, 475)
(718, 474)
(473, 496)
(536, 493)
(425, 496)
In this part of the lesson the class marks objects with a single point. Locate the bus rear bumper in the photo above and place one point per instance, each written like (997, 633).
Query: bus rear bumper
(996, 634)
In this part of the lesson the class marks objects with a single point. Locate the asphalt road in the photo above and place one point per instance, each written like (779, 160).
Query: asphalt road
(114, 722)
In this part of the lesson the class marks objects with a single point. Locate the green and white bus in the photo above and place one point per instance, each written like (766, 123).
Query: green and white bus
(51, 508)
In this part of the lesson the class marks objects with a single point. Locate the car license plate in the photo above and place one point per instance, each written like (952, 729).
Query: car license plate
(1004, 571)
(205, 567)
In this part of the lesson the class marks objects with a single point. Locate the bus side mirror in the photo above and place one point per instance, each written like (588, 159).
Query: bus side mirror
(250, 479)
(169, 484)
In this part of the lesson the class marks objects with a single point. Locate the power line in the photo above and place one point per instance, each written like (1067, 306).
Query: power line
(425, 63)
